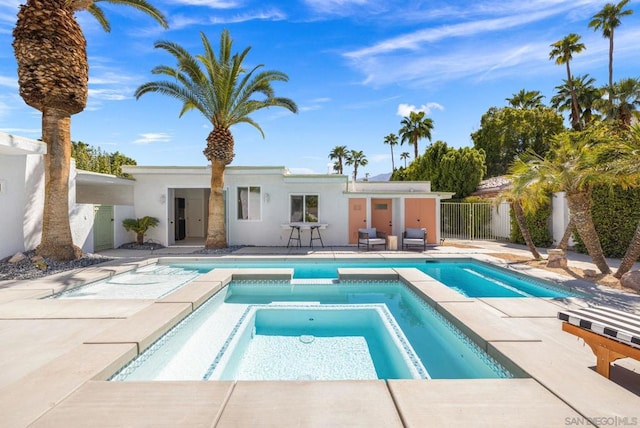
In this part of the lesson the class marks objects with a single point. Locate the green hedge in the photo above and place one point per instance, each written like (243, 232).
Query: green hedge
(615, 215)
(538, 225)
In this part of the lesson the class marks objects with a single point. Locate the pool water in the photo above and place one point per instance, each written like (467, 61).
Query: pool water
(469, 277)
(326, 342)
(197, 347)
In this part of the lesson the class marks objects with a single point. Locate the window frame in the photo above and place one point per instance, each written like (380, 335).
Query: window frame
(304, 207)
(239, 211)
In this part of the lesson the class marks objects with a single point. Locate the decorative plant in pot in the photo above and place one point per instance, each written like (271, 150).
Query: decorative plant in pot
(140, 226)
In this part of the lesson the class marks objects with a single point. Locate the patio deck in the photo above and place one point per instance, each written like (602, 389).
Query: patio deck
(57, 354)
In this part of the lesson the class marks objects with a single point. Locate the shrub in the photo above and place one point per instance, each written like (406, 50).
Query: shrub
(615, 216)
(538, 224)
(140, 226)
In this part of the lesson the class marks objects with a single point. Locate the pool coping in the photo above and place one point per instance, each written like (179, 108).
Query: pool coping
(491, 320)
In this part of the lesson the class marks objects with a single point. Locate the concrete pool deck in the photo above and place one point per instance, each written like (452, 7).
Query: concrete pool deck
(57, 354)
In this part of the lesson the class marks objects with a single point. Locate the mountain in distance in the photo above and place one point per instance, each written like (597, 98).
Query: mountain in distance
(381, 177)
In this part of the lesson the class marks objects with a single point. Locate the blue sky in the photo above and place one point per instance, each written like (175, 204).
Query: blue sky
(356, 67)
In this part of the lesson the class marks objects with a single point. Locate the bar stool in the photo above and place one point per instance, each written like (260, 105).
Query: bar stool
(296, 237)
(319, 237)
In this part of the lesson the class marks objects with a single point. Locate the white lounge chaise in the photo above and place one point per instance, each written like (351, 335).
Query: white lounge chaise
(611, 334)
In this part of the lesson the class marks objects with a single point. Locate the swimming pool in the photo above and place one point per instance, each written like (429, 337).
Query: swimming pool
(197, 348)
(467, 276)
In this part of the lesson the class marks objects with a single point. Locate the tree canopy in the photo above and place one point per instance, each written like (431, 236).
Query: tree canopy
(505, 133)
(94, 159)
(448, 169)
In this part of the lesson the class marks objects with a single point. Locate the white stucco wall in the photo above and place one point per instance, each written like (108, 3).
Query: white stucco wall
(121, 236)
(276, 191)
(153, 198)
(559, 217)
(12, 202)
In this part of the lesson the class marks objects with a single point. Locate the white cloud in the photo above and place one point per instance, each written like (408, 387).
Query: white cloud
(270, 15)
(405, 109)
(153, 137)
(108, 94)
(9, 82)
(213, 4)
(23, 131)
(315, 104)
(338, 7)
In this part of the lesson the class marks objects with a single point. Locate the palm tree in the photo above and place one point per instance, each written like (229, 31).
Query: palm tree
(562, 52)
(339, 153)
(577, 161)
(356, 158)
(391, 140)
(404, 156)
(626, 100)
(415, 127)
(629, 160)
(607, 20)
(588, 96)
(526, 99)
(53, 73)
(222, 90)
(524, 198)
(140, 226)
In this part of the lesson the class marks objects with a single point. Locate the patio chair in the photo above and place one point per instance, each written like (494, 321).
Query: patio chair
(611, 334)
(371, 237)
(414, 236)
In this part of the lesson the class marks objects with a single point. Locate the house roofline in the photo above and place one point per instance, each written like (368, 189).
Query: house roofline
(14, 145)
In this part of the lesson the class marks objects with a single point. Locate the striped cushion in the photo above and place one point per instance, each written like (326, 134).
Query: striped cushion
(621, 326)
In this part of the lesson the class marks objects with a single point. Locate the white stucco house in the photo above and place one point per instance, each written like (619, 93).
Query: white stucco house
(261, 203)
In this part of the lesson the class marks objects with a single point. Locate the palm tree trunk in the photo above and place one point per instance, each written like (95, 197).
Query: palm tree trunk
(580, 211)
(415, 148)
(575, 114)
(611, 61)
(393, 164)
(57, 242)
(216, 230)
(631, 255)
(564, 242)
(520, 219)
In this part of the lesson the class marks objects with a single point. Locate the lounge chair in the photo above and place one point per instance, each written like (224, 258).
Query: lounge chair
(611, 334)
(371, 237)
(414, 236)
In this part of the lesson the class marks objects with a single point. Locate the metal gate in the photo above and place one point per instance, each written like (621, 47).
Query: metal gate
(475, 221)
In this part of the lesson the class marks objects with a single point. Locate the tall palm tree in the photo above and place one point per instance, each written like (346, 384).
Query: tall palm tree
(607, 20)
(53, 73)
(526, 99)
(414, 127)
(404, 156)
(356, 158)
(588, 95)
(391, 140)
(224, 92)
(339, 154)
(562, 51)
(576, 163)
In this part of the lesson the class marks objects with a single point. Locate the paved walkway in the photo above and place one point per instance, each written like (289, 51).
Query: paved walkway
(57, 355)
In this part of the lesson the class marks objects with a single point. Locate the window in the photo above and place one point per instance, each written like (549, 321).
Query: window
(249, 203)
(304, 208)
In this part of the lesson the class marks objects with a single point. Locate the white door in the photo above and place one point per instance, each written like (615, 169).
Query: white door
(195, 220)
